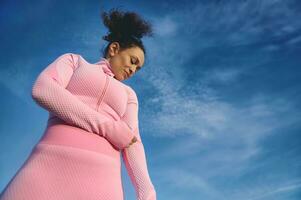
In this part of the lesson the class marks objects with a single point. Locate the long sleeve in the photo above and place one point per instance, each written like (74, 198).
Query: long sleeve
(49, 91)
(134, 156)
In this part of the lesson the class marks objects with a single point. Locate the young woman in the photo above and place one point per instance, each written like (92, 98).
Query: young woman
(93, 119)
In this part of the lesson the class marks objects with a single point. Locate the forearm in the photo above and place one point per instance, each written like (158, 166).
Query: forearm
(61, 102)
(136, 165)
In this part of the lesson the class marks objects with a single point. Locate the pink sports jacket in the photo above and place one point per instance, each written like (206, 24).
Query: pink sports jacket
(86, 96)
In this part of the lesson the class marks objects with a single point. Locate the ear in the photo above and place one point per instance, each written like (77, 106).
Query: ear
(114, 48)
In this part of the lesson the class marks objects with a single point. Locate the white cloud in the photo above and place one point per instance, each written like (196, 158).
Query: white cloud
(223, 75)
(267, 191)
(176, 178)
(165, 26)
(208, 133)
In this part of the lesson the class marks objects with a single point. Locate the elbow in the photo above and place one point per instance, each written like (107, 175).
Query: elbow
(36, 95)
(35, 92)
(39, 96)
(38, 88)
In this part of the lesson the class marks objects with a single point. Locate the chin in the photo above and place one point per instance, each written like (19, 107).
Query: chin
(119, 78)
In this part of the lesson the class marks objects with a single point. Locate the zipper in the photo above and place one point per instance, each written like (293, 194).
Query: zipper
(103, 93)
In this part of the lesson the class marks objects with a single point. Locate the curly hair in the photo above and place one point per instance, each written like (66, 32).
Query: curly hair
(126, 28)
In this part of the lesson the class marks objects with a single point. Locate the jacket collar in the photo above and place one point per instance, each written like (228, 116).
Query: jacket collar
(106, 66)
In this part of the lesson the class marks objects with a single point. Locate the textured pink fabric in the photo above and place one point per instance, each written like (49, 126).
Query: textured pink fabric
(57, 172)
(90, 112)
(87, 98)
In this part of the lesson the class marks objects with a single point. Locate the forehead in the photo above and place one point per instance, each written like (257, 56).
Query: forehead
(136, 51)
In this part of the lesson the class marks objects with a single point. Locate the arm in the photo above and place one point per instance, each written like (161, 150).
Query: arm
(49, 91)
(134, 156)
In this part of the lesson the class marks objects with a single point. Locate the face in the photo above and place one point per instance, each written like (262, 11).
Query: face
(125, 63)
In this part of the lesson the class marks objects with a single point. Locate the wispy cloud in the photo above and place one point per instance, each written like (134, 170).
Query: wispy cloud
(175, 178)
(267, 191)
(200, 109)
(239, 23)
(202, 52)
(165, 26)
(207, 131)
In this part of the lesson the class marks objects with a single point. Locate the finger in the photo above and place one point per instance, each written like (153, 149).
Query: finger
(132, 142)
(129, 145)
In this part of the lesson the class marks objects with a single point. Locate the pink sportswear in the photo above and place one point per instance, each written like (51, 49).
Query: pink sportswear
(92, 118)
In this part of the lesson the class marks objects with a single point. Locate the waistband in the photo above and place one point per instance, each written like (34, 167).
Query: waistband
(59, 133)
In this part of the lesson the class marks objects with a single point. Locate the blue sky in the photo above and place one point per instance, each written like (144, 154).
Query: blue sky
(219, 92)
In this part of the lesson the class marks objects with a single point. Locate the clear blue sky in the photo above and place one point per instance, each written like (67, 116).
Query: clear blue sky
(220, 104)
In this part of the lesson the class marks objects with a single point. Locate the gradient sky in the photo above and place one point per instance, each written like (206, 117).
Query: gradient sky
(219, 92)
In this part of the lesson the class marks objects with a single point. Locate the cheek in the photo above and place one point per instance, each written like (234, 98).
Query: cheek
(119, 63)
(124, 62)
(116, 65)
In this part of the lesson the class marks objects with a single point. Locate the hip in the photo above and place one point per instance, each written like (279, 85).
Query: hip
(67, 135)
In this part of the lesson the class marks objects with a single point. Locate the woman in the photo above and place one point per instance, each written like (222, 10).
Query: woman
(93, 117)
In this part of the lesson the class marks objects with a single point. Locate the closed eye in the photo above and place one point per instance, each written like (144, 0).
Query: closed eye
(133, 61)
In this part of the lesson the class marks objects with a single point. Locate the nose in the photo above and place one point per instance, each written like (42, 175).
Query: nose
(131, 70)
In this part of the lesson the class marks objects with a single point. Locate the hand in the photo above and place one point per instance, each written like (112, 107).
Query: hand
(132, 142)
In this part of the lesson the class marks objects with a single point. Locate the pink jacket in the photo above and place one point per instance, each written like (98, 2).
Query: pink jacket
(85, 96)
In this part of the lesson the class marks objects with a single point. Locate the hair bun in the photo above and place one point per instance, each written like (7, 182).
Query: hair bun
(125, 25)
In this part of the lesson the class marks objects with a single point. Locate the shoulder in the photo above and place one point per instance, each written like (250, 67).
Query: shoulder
(71, 58)
(132, 96)
(70, 55)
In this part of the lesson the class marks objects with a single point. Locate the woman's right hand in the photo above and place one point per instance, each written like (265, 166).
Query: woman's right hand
(132, 142)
